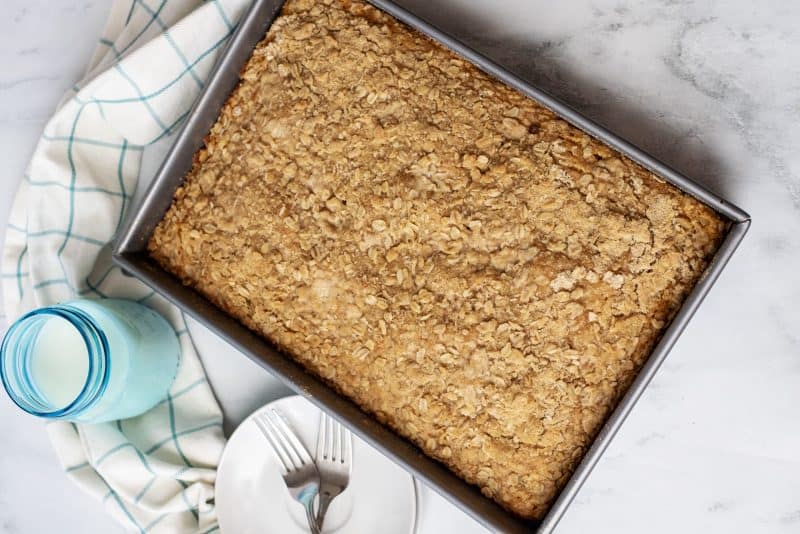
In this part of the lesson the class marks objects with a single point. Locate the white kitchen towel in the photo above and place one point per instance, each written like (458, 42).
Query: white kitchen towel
(155, 472)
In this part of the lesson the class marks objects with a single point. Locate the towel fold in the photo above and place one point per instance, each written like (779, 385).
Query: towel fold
(155, 472)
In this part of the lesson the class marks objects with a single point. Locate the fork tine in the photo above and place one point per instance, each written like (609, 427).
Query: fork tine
(330, 431)
(276, 447)
(320, 452)
(337, 440)
(328, 437)
(347, 457)
(295, 461)
(289, 437)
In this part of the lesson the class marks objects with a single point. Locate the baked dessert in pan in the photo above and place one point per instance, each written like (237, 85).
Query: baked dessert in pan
(478, 274)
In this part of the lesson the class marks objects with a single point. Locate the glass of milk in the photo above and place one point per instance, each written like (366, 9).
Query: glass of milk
(89, 360)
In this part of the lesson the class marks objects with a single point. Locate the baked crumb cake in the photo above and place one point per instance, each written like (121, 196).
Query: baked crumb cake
(481, 276)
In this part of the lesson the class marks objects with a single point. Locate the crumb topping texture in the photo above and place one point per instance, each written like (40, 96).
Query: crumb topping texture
(481, 276)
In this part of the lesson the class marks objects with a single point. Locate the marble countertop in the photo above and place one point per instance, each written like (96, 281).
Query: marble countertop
(711, 88)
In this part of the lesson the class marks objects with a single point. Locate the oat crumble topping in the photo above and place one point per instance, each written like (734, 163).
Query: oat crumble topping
(481, 276)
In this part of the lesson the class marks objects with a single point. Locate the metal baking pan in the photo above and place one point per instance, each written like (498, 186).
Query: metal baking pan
(130, 253)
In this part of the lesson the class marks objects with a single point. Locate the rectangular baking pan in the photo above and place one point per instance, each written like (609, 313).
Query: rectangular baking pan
(130, 254)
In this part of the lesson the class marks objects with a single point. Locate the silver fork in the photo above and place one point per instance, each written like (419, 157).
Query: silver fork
(298, 469)
(334, 460)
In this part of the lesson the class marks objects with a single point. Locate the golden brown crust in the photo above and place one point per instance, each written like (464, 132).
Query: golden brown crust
(483, 277)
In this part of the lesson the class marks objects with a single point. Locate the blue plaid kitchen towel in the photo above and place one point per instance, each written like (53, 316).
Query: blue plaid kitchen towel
(155, 472)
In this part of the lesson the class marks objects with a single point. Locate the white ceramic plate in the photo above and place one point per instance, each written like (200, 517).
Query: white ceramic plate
(251, 497)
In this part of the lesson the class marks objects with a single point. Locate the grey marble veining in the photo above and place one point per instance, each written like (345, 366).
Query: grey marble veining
(712, 89)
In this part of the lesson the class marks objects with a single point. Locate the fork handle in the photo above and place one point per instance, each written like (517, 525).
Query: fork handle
(313, 525)
(324, 501)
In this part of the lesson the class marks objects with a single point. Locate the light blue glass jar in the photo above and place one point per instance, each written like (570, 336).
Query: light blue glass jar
(89, 360)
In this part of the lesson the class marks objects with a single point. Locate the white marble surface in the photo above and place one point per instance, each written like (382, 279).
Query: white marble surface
(712, 88)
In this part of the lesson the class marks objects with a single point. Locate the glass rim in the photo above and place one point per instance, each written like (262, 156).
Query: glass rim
(97, 348)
